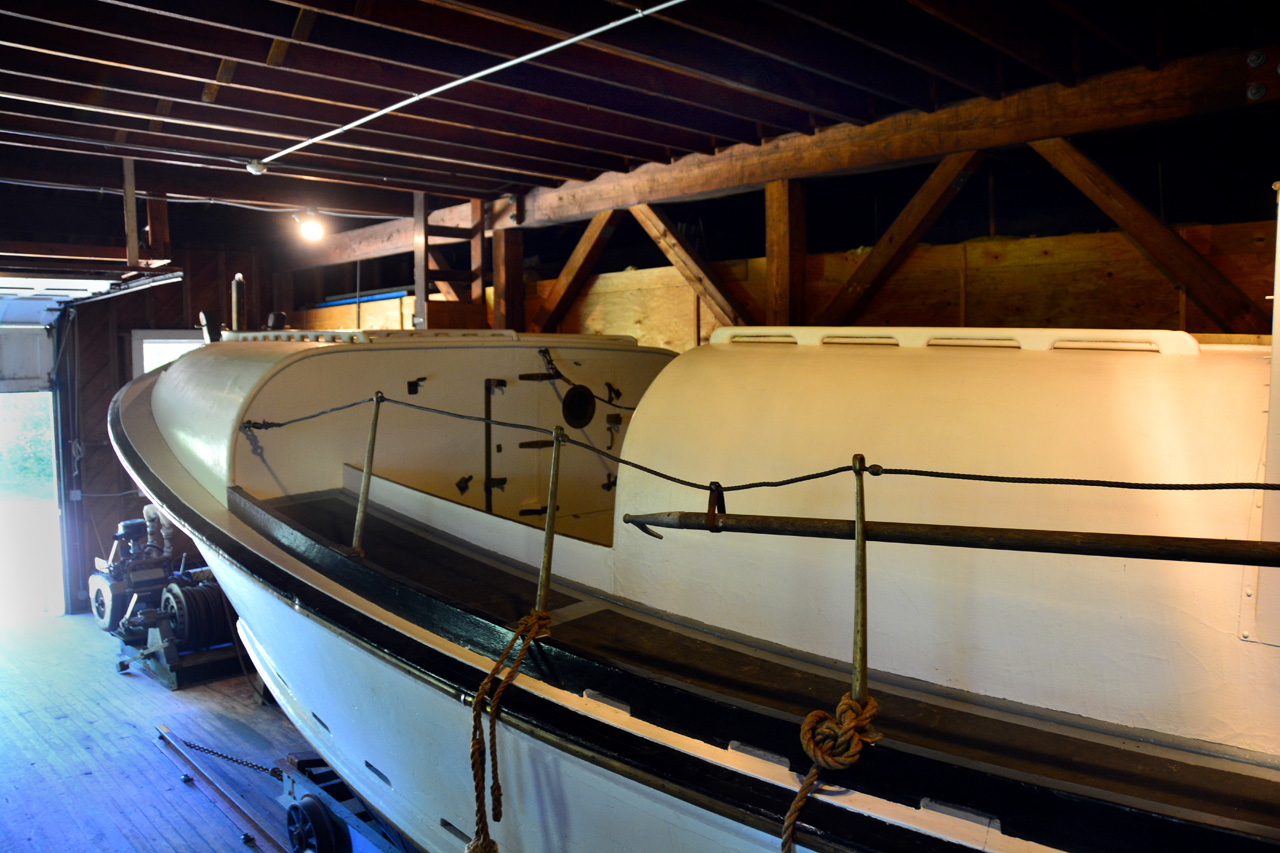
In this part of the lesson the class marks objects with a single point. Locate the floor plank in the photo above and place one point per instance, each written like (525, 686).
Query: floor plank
(81, 766)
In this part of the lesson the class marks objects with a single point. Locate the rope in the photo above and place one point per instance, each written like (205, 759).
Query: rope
(530, 627)
(834, 743)
(875, 470)
(249, 425)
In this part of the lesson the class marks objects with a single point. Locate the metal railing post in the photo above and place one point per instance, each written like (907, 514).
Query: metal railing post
(549, 535)
(859, 685)
(358, 535)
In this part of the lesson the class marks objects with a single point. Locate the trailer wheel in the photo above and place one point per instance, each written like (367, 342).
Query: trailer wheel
(311, 829)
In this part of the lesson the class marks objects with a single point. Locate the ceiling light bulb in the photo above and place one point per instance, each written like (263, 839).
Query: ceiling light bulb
(311, 228)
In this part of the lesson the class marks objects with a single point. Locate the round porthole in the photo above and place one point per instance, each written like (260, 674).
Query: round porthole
(578, 406)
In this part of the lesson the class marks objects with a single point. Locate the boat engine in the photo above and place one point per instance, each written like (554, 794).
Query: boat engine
(166, 608)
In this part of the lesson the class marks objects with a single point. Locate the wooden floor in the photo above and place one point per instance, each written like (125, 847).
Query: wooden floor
(80, 765)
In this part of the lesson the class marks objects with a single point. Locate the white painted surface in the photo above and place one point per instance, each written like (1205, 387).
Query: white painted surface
(1138, 643)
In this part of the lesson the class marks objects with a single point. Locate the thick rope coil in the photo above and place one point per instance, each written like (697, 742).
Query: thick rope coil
(530, 627)
(834, 743)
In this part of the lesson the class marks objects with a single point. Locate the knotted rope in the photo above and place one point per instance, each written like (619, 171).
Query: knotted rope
(530, 627)
(834, 743)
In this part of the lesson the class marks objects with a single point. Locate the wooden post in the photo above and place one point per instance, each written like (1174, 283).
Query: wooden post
(477, 249)
(130, 216)
(784, 253)
(508, 279)
(158, 228)
(419, 260)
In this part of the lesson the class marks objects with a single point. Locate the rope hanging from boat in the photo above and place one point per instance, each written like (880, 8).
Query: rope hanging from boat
(873, 470)
(833, 743)
(529, 628)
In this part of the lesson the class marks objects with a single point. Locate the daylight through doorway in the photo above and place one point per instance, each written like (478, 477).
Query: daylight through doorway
(31, 584)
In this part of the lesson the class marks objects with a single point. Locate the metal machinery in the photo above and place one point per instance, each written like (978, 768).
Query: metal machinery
(168, 613)
(324, 816)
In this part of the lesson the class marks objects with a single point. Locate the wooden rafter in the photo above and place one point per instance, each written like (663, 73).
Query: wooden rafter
(576, 271)
(1015, 30)
(785, 258)
(1122, 99)
(901, 237)
(1205, 285)
(724, 307)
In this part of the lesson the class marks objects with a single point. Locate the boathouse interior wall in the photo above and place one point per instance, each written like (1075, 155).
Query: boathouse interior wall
(1071, 166)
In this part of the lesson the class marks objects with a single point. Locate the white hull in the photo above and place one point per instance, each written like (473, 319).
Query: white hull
(383, 692)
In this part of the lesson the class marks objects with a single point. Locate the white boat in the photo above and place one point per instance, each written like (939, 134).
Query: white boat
(1028, 700)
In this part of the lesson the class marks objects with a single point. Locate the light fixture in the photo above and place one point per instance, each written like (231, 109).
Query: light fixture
(309, 225)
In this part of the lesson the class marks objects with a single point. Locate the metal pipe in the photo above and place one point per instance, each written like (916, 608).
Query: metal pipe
(549, 534)
(858, 687)
(358, 534)
(1234, 552)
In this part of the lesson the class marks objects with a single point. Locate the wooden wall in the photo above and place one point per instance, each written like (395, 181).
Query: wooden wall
(97, 363)
(1079, 280)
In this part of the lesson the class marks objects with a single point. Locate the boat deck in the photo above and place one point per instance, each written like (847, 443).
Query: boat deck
(933, 735)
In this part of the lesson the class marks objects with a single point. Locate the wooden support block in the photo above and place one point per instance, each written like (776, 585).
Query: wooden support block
(785, 256)
(1204, 284)
(576, 271)
(726, 309)
(508, 279)
(901, 237)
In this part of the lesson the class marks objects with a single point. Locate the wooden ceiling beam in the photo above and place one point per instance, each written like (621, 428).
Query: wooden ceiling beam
(1122, 99)
(109, 54)
(80, 97)
(147, 83)
(898, 241)
(1131, 27)
(727, 309)
(649, 55)
(105, 136)
(909, 35)
(1204, 284)
(30, 165)
(380, 240)
(77, 252)
(258, 19)
(573, 278)
(757, 30)
(330, 67)
(1016, 30)
(501, 37)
